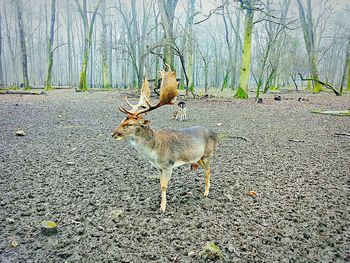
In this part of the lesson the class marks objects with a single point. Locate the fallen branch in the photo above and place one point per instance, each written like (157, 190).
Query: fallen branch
(295, 140)
(342, 134)
(22, 92)
(326, 85)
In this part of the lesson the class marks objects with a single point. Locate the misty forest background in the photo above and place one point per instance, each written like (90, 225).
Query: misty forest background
(220, 44)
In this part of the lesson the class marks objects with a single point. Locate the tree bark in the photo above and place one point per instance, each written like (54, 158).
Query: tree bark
(309, 39)
(167, 10)
(88, 30)
(242, 91)
(50, 44)
(191, 12)
(1, 72)
(105, 69)
(24, 59)
(346, 68)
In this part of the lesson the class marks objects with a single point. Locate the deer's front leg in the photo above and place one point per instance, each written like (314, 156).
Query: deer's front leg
(164, 180)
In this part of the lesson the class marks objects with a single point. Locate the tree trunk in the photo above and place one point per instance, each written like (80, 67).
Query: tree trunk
(191, 12)
(88, 30)
(167, 10)
(24, 59)
(105, 69)
(235, 52)
(69, 43)
(1, 74)
(13, 56)
(348, 83)
(242, 91)
(309, 39)
(50, 44)
(346, 68)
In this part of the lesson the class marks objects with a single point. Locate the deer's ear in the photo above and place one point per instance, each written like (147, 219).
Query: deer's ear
(144, 122)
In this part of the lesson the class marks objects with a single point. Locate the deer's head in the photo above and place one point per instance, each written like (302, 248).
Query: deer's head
(134, 121)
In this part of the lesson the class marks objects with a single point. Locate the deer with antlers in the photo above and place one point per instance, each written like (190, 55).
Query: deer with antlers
(168, 148)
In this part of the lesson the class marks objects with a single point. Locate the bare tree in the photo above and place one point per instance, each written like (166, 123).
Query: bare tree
(167, 11)
(24, 60)
(242, 91)
(50, 44)
(105, 69)
(88, 30)
(1, 74)
(309, 39)
(346, 70)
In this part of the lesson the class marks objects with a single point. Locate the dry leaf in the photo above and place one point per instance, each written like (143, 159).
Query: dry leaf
(252, 193)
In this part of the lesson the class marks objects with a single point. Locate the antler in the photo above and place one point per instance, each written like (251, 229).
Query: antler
(168, 93)
(144, 97)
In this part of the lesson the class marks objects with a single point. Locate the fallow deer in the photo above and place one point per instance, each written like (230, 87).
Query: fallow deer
(181, 111)
(168, 148)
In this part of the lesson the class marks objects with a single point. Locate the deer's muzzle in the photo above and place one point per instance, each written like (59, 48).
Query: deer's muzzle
(117, 135)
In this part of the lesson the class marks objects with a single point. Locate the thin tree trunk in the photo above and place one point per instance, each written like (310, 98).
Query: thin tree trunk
(24, 59)
(346, 68)
(242, 91)
(191, 12)
(50, 44)
(9, 44)
(69, 42)
(105, 69)
(1, 73)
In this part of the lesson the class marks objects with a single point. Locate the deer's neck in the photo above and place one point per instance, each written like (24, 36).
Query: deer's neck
(144, 141)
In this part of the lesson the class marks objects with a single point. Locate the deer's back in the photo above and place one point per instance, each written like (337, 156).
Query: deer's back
(186, 145)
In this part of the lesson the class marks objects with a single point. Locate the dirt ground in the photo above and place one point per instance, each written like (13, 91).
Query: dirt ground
(105, 197)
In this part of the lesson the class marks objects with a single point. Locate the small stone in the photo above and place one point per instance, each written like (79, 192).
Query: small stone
(168, 220)
(229, 197)
(48, 227)
(231, 248)
(10, 220)
(14, 244)
(192, 254)
(278, 98)
(218, 124)
(117, 214)
(20, 133)
(70, 163)
(260, 100)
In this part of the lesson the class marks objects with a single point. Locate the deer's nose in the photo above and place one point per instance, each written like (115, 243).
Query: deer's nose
(116, 134)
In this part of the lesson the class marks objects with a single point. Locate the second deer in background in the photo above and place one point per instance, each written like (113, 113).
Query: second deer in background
(181, 111)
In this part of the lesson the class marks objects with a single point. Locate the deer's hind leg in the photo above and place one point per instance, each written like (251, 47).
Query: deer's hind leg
(205, 163)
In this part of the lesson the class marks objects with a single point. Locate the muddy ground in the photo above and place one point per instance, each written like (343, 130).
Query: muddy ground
(105, 197)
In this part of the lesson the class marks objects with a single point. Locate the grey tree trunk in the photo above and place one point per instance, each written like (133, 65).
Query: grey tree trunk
(190, 40)
(10, 47)
(88, 30)
(309, 39)
(69, 43)
(50, 44)
(24, 57)
(1, 71)
(167, 10)
(105, 68)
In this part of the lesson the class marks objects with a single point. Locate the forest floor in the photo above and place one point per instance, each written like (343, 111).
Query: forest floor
(105, 197)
